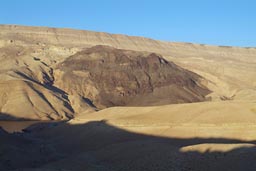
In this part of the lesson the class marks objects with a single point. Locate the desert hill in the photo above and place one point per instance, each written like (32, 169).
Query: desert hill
(91, 79)
(45, 81)
(135, 83)
(31, 59)
(217, 63)
(114, 77)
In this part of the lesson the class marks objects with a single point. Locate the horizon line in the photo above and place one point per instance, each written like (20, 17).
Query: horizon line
(138, 36)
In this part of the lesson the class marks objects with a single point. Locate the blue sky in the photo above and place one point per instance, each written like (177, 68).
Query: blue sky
(216, 22)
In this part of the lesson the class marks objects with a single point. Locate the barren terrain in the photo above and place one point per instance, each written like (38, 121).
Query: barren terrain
(124, 103)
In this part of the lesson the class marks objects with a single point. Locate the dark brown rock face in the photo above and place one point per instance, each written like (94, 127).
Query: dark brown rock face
(115, 77)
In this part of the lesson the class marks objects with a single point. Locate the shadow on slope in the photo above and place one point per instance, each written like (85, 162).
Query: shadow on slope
(100, 146)
(9, 117)
(49, 87)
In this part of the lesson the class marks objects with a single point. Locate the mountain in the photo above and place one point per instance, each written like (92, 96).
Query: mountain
(123, 103)
(50, 73)
(114, 77)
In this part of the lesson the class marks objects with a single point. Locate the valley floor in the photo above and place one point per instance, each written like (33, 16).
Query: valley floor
(199, 136)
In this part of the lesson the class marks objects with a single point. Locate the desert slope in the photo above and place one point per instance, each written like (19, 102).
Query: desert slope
(49, 74)
(37, 88)
(205, 120)
(31, 56)
(230, 70)
(208, 135)
(46, 82)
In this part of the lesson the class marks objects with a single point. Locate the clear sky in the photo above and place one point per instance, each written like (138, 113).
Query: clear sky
(216, 22)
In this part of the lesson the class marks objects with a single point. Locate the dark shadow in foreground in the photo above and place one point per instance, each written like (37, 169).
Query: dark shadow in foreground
(103, 147)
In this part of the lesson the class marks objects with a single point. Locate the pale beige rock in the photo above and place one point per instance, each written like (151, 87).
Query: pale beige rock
(229, 69)
(36, 51)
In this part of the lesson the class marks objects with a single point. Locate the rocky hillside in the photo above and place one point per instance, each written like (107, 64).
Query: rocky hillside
(91, 79)
(48, 73)
(114, 77)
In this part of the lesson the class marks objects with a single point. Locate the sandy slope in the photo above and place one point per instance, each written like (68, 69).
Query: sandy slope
(207, 119)
(202, 134)
(211, 135)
